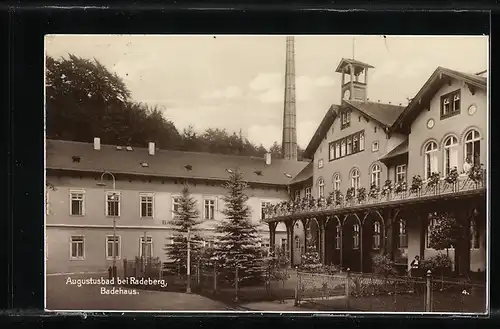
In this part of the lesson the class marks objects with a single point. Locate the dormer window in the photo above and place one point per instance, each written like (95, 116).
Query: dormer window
(450, 104)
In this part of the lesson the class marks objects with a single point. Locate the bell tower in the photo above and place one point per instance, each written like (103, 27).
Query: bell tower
(354, 79)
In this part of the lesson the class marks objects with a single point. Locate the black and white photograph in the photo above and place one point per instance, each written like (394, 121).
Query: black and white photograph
(267, 173)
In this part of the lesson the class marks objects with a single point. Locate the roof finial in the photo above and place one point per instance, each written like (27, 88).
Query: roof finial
(353, 46)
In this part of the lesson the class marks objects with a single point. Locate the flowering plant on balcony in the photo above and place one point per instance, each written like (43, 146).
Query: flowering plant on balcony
(416, 184)
(312, 203)
(321, 202)
(387, 188)
(330, 199)
(339, 197)
(433, 179)
(476, 173)
(349, 194)
(400, 187)
(374, 191)
(304, 203)
(361, 195)
(452, 176)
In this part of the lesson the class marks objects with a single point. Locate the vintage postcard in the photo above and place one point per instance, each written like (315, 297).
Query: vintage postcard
(222, 173)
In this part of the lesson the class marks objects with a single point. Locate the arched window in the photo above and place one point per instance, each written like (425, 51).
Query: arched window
(355, 236)
(431, 160)
(355, 179)
(297, 243)
(474, 234)
(321, 187)
(338, 232)
(472, 147)
(336, 182)
(450, 154)
(375, 175)
(403, 235)
(376, 235)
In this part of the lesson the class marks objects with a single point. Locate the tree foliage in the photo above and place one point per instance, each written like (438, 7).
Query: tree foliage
(237, 244)
(445, 232)
(186, 218)
(86, 100)
(383, 265)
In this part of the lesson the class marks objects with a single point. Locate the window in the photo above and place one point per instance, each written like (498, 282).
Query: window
(450, 104)
(297, 243)
(376, 235)
(113, 247)
(433, 221)
(349, 145)
(209, 208)
(112, 204)
(374, 146)
(284, 245)
(355, 179)
(355, 143)
(146, 247)
(331, 154)
(375, 129)
(297, 195)
(263, 206)
(321, 187)
(450, 154)
(338, 232)
(308, 192)
(400, 173)
(77, 199)
(320, 163)
(375, 175)
(355, 236)
(176, 202)
(336, 182)
(337, 150)
(474, 234)
(362, 141)
(77, 246)
(403, 235)
(431, 160)
(472, 147)
(342, 148)
(147, 200)
(345, 119)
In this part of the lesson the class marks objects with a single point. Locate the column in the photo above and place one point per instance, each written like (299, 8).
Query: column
(390, 234)
(366, 84)
(305, 223)
(272, 235)
(351, 69)
(322, 233)
(289, 240)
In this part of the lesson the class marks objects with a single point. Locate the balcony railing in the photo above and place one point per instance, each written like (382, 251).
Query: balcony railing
(435, 186)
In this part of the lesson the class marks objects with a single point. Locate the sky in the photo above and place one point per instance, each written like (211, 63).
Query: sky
(237, 82)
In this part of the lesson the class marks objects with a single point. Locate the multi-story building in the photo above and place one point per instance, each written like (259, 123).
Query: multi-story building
(365, 144)
(140, 192)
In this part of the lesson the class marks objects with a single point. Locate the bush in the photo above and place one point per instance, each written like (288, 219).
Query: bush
(383, 265)
(438, 264)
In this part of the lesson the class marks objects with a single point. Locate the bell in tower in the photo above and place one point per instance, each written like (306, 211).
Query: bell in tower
(354, 79)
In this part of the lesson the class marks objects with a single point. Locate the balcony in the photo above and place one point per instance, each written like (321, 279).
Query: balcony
(388, 195)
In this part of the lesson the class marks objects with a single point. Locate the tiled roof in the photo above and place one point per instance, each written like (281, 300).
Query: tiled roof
(398, 150)
(323, 127)
(168, 163)
(430, 87)
(305, 174)
(386, 114)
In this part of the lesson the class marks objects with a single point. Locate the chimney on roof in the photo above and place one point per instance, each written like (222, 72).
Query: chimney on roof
(268, 158)
(97, 143)
(151, 148)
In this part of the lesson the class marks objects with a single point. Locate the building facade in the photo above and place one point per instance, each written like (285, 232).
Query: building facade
(372, 157)
(82, 205)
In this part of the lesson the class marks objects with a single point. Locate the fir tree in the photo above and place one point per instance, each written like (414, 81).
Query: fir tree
(238, 242)
(186, 218)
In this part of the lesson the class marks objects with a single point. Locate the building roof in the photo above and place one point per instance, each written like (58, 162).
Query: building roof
(385, 114)
(346, 61)
(398, 150)
(304, 175)
(430, 88)
(323, 127)
(171, 164)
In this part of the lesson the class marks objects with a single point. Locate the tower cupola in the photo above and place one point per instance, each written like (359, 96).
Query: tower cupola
(354, 79)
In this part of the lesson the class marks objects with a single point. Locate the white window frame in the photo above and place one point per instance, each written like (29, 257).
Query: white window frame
(263, 204)
(450, 143)
(375, 174)
(375, 146)
(362, 141)
(400, 171)
(308, 193)
(71, 242)
(141, 201)
(174, 203)
(355, 180)
(446, 106)
(336, 182)
(320, 163)
(331, 151)
(109, 239)
(338, 236)
(429, 156)
(321, 187)
(209, 198)
(149, 240)
(76, 192)
(472, 140)
(355, 236)
(377, 235)
(106, 208)
(297, 195)
(402, 234)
